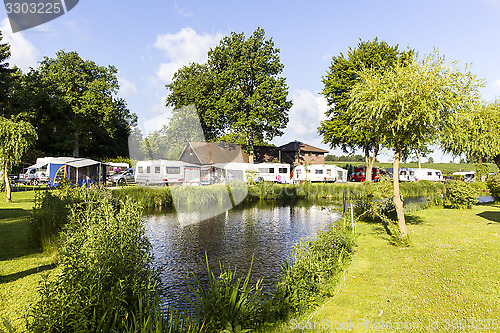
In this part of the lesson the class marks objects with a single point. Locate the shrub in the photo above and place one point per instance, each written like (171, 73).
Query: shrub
(50, 213)
(459, 195)
(105, 268)
(314, 263)
(493, 184)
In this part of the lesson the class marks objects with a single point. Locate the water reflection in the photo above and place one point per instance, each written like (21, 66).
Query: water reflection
(267, 233)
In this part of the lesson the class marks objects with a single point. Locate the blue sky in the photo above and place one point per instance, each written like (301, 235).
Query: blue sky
(149, 41)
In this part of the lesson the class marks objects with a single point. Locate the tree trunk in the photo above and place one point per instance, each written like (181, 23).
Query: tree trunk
(76, 144)
(250, 147)
(369, 162)
(397, 198)
(8, 196)
(497, 160)
(419, 156)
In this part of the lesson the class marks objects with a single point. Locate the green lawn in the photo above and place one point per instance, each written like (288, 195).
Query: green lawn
(21, 267)
(451, 272)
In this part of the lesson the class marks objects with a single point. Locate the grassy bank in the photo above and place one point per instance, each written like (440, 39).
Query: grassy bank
(450, 272)
(21, 266)
(161, 197)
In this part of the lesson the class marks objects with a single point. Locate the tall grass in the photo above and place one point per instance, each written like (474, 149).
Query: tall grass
(106, 269)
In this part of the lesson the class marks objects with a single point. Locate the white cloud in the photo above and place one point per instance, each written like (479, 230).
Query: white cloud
(182, 11)
(23, 53)
(307, 112)
(183, 48)
(127, 88)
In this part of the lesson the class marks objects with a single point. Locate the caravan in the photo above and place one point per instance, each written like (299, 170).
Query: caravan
(428, 174)
(319, 173)
(273, 172)
(165, 172)
(406, 175)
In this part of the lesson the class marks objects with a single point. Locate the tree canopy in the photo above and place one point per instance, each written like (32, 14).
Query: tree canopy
(73, 104)
(475, 134)
(238, 90)
(339, 130)
(410, 104)
(15, 139)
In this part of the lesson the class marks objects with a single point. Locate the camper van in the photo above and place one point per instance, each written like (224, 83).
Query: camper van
(165, 172)
(319, 173)
(406, 175)
(428, 174)
(273, 172)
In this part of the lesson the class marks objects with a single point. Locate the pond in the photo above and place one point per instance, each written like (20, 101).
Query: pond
(266, 233)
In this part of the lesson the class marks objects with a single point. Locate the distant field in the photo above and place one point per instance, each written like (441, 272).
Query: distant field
(444, 167)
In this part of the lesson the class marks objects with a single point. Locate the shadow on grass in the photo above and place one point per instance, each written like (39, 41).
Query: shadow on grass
(413, 219)
(14, 239)
(9, 213)
(19, 275)
(490, 215)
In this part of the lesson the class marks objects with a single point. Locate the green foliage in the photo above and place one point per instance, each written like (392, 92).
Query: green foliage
(15, 139)
(228, 301)
(482, 171)
(493, 183)
(74, 106)
(476, 133)
(238, 91)
(459, 195)
(105, 269)
(343, 74)
(314, 263)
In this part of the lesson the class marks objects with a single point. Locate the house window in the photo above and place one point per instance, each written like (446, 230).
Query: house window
(173, 170)
(271, 170)
(190, 151)
(157, 169)
(318, 172)
(148, 169)
(139, 169)
(282, 170)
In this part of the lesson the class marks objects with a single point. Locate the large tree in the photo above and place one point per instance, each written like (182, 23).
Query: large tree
(340, 130)
(475, 134)
(73, 104)
(238, 90)
(15, 139)
(408, 105)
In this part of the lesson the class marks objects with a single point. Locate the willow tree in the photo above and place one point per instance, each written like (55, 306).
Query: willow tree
(15, 139)
(409, 104)
(477, 134)
(340, 130)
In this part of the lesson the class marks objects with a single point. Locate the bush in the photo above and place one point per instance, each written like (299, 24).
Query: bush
(493, 184)
(459, 195)
(106, 274)
(50, 213)
(314, 263)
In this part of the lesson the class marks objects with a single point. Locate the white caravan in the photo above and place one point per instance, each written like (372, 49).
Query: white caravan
(273, 172)
(428, 174)
(406, 175)
(320, 173)
(165, 172)
(468, 176)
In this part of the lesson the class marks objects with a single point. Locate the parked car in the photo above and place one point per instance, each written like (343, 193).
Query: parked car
(127, 176)
(359, 174)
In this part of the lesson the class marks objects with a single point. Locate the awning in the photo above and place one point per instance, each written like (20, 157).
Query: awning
(82, 163)
(37, 165)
